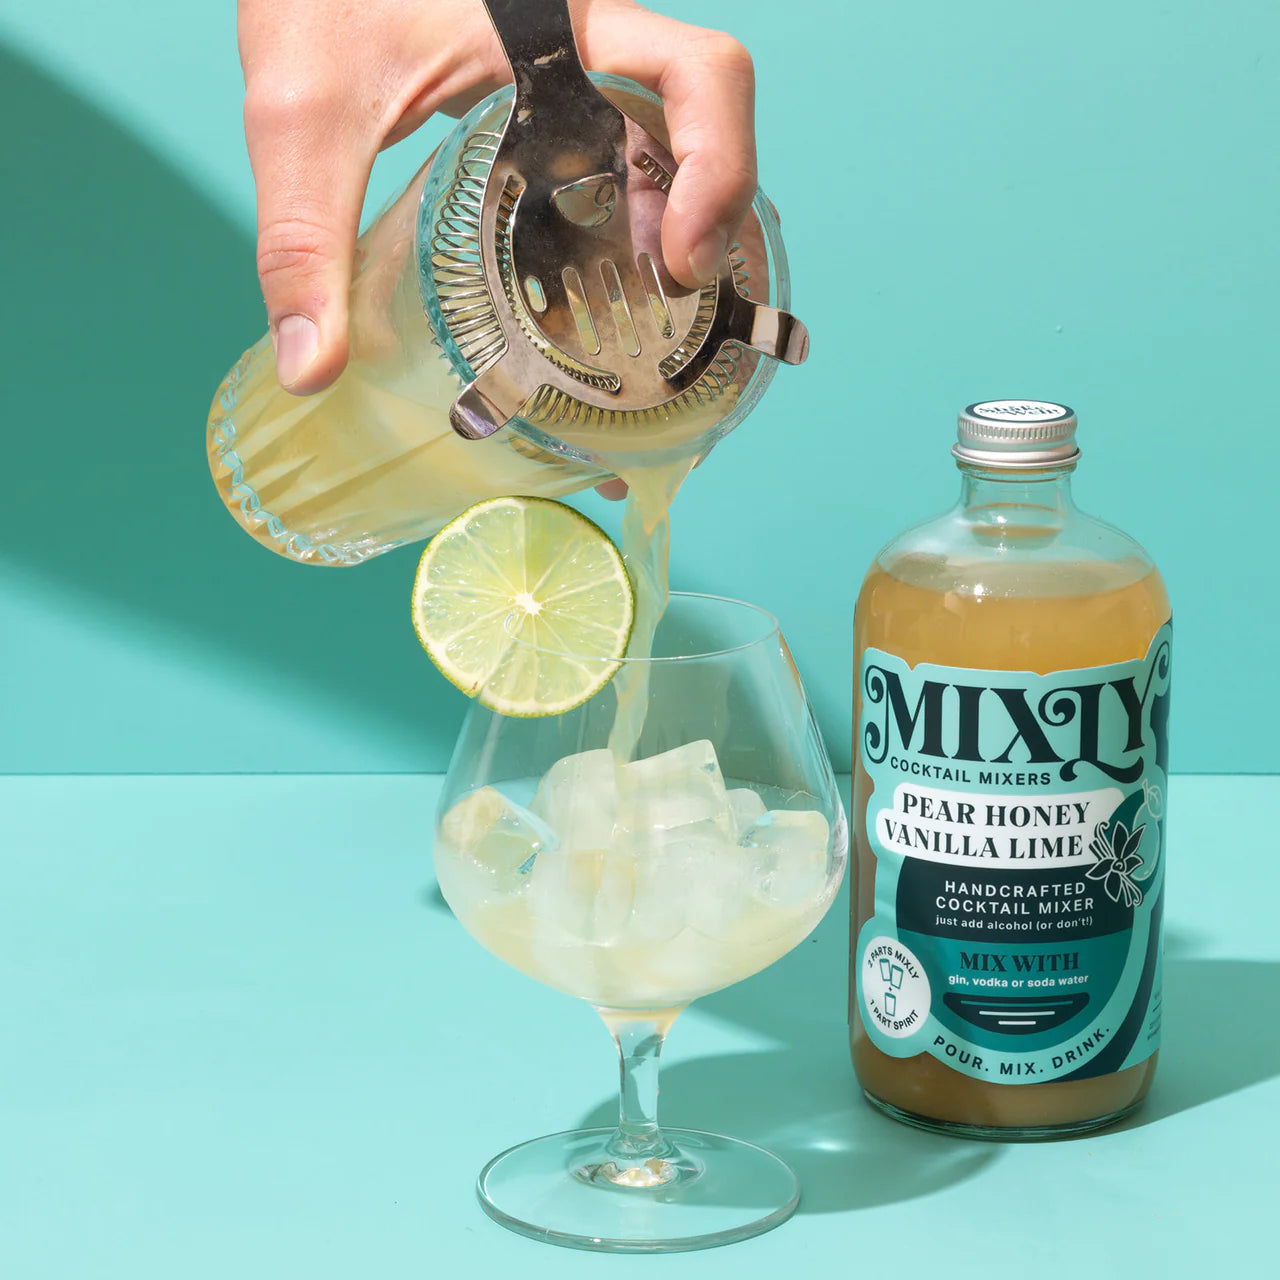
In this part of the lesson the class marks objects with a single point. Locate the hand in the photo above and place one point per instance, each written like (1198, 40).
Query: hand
(328, 84)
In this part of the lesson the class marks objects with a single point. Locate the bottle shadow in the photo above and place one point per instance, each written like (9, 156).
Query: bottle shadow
(799, 1098)
(1218, 1035)
(128, 295)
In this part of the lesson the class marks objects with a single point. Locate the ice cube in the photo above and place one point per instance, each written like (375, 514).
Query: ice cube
(746, 807)
(788, 848)
(486, 846)
(578, 799)
(718, 893)
(692, 876)
(657, 912)
(586, 894)
(682, 969)
(668, 864)
(674, 789)
(560, 962)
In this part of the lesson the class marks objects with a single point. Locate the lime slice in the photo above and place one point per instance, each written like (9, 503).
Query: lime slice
(509, 596)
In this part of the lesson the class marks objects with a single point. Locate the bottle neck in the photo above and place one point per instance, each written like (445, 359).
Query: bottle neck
(989, 495)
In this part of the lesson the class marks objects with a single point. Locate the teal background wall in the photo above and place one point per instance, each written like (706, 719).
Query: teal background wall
(1069, 201)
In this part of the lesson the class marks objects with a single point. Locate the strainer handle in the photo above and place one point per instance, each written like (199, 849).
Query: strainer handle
(555, 105)
(537, 37)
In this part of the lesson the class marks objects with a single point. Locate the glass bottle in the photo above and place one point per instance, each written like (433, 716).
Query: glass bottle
(1010, 717)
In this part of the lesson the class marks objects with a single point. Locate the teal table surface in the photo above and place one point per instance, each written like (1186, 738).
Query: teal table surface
(243, 1036)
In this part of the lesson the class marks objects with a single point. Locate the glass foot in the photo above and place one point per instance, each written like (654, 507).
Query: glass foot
(567, 1189)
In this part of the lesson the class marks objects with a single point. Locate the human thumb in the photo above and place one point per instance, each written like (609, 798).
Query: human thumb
(311, 181)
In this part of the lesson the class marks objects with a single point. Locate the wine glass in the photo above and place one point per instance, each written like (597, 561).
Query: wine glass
(676, 833)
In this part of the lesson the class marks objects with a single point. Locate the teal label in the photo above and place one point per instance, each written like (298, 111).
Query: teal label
(1017, 822)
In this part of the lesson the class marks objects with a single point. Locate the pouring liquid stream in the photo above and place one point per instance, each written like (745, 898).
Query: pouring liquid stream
(646, 548)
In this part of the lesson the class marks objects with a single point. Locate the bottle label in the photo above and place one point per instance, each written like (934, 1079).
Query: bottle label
(1017, 822)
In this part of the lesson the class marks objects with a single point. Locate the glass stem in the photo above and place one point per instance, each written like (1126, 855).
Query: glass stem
(639, 1036)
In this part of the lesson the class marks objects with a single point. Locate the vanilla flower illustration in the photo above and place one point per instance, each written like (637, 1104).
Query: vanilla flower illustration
(1118, 858)
(1152, 798)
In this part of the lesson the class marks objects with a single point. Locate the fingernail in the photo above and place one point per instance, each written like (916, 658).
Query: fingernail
(297, 340)
(707, 254)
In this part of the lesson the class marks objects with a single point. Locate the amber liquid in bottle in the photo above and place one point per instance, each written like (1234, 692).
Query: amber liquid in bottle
(1015, 579)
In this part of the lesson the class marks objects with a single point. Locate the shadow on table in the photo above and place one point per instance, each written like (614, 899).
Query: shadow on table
(802, 1103)
(801, 1100)
(799, 1097)
(1219, 1035)
(430, 897)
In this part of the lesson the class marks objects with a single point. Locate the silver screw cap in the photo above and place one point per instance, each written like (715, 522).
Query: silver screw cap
(1017, 434)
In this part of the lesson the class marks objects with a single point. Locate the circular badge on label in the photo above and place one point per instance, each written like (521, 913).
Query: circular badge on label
(895, 988)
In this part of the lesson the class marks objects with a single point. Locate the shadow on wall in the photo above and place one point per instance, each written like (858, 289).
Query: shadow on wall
(127, 296)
